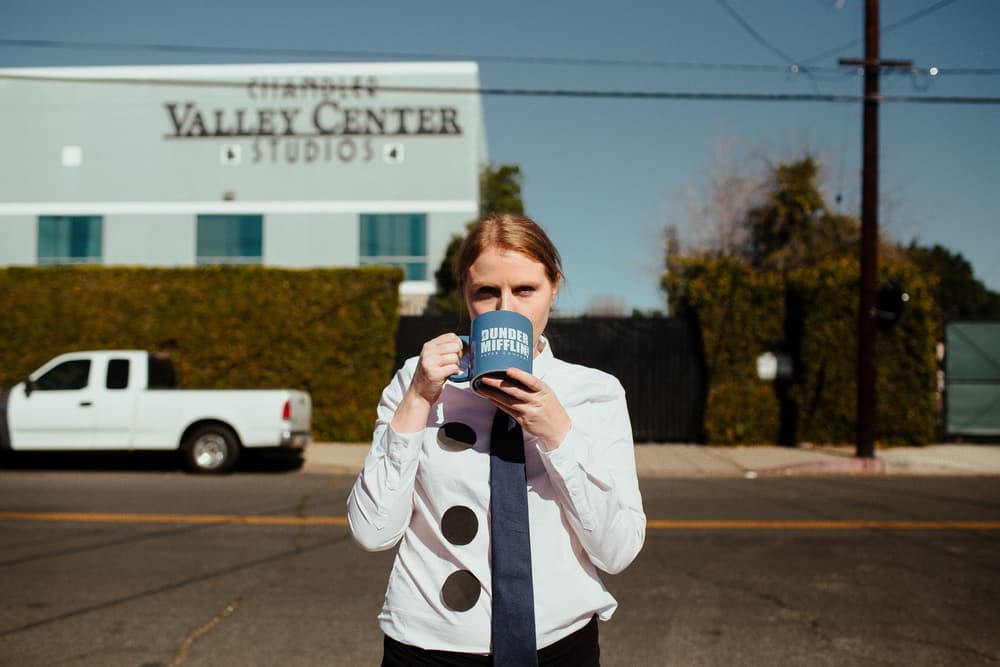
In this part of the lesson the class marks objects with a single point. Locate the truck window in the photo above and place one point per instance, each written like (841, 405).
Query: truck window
(161, 372)
(67, 375)
(117, 374)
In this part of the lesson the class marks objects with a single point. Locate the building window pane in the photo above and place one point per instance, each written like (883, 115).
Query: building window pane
(396, 240)
(69, 239)
(230, 239)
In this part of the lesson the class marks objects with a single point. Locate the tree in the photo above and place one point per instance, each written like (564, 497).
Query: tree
(772, 265)
(777, 222)
(499, 192)
(792, 228)
(960, 296)
(446, 300)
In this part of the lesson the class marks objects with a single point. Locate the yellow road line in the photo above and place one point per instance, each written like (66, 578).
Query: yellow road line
(654, 524)
(129, 517)
(738, 524)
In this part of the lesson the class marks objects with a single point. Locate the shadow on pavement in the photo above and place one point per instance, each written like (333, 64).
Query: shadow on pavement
(250, 461)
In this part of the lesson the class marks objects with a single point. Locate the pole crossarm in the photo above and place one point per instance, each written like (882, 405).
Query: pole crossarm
(876, 62)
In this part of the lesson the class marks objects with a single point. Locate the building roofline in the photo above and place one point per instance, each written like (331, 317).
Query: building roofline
(242, 70)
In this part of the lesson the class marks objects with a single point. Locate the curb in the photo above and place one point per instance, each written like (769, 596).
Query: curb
(845, 466)
(696, 461)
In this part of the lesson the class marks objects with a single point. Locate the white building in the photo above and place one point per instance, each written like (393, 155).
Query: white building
(284, 165)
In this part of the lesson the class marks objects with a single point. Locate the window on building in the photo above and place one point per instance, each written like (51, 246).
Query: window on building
(230, 239)
(69, 239)
(397, 239)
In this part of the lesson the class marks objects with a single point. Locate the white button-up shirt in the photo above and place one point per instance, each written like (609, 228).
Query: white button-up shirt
(584, 507)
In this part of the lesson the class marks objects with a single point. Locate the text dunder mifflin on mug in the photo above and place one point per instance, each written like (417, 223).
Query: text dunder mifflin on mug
(504, 339)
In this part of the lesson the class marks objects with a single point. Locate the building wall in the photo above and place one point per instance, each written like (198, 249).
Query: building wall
(149, 240)
(310, 148)
(18, 240)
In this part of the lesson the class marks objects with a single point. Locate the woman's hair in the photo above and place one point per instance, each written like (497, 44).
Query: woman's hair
(506, 231)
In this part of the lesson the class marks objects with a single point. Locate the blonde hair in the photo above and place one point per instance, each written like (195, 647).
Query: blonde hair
(507, 231)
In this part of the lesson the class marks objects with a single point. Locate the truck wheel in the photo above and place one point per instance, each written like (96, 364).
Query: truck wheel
(211, 449)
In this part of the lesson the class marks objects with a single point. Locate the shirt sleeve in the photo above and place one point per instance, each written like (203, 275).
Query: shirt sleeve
(594, 475)
(381, 502)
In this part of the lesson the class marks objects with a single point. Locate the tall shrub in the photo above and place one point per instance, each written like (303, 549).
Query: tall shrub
(810, 315)
(328, 331)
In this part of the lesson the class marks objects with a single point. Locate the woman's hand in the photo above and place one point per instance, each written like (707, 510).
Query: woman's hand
(439, 359)
(531, 402)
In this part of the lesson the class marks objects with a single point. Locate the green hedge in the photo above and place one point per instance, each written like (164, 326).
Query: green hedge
(811, 315)
(330, 332)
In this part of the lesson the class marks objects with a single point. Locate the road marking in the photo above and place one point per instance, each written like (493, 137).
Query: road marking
(739, 524)
(129, 517)
(654, 524)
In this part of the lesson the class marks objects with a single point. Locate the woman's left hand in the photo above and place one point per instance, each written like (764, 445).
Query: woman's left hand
(531, 403)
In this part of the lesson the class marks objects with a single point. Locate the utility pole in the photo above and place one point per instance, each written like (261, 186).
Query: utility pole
(865, 434)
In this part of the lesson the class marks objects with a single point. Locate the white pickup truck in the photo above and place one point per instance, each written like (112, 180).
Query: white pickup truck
(130, 400)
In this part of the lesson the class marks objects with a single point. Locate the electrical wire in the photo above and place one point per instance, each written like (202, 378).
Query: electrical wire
(821, 73)
(792, 62)
(756, 35)
(884, 30)
(535, 92)
(383, 55)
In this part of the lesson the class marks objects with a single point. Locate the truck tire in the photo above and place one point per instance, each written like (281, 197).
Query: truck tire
(211, 449)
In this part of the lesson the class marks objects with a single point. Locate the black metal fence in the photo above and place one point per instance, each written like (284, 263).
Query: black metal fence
(658, 361)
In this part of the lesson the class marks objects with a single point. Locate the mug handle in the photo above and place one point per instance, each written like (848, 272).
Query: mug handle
(462, 377)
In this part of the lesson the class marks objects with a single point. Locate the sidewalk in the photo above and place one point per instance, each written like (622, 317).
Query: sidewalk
(757, 461)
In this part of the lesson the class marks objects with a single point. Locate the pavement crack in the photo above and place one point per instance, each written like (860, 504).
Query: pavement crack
(800, 616)
(172, 586)
(969, 651)
(195, 634)
(300, 507)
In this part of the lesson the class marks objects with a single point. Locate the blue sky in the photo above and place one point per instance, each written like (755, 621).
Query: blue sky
(605, 176)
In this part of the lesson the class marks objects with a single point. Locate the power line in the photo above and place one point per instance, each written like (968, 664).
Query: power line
(756, 35)
(953, 71)
(536, 92)
(768, 45)
(382, 55)
(792, 68)
(885, 29)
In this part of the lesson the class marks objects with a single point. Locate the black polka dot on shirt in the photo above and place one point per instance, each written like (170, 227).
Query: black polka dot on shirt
(455, 436)
(461, 590)
(459, 525)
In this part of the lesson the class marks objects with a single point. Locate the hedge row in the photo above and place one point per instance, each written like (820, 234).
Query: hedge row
(330, 332)
(810, 315)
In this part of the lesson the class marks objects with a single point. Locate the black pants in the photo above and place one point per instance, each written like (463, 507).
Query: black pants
(580, 649)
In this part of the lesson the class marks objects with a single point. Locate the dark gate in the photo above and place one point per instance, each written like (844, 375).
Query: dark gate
(657, 360)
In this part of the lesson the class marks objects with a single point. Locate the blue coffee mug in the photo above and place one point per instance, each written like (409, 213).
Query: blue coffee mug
(500, 339)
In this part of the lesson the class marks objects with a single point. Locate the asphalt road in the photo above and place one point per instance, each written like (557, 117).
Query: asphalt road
(156, 568)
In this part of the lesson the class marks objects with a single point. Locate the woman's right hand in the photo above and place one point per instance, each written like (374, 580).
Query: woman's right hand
(439, 359)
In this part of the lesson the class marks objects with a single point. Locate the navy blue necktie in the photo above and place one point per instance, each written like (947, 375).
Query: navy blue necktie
(513, 620)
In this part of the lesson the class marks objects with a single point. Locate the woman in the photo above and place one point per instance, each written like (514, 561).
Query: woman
(426, 479)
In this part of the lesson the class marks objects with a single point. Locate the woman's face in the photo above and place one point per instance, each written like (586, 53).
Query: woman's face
(508, 280)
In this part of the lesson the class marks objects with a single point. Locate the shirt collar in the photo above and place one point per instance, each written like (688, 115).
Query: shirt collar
(541, 364)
